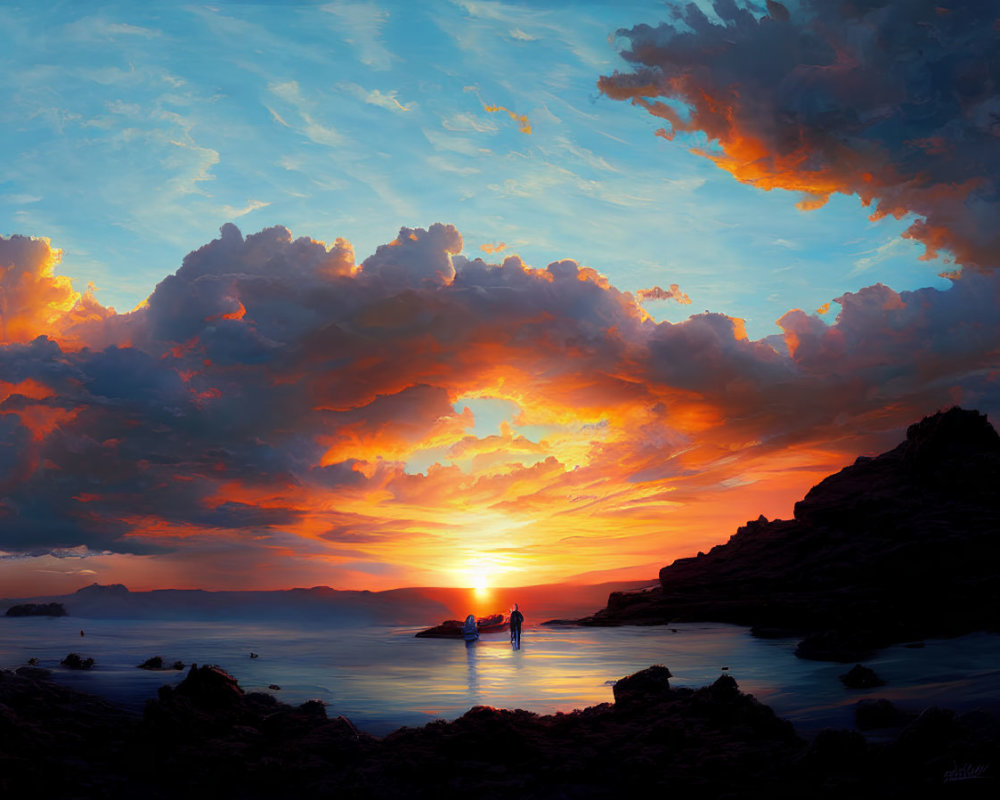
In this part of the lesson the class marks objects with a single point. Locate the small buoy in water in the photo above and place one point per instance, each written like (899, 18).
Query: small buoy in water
(274, 687)
(725, 669)
(81, 633)
(253, 655)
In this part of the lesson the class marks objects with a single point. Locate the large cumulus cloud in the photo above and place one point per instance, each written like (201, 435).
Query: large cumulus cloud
(897, 103)
(272, 385)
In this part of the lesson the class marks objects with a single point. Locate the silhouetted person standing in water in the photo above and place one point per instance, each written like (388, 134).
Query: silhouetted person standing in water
(516, 618)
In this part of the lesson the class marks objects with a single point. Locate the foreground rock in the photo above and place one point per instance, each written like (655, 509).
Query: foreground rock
(206, 737)
(878, 713)
(894, 548)
(56, 742)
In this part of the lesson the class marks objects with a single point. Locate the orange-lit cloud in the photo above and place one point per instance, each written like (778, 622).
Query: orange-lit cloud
(887, 101)
(521, 119)
(656, 293)
(277, 402)
(34, 301)
(491, 249)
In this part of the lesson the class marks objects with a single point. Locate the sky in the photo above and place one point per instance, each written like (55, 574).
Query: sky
(470, 293)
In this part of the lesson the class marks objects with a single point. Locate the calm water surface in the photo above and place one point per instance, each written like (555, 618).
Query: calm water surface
(382, 678)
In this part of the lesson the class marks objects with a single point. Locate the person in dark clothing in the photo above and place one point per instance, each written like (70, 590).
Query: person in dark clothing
(516, 620)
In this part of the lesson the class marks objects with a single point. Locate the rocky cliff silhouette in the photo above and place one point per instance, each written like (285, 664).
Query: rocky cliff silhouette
(901, 546)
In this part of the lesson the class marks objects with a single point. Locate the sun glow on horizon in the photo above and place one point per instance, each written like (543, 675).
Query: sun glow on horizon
(480, 572)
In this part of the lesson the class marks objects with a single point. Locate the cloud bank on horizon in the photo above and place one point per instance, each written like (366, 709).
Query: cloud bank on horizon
(267, 399)
(277, 410)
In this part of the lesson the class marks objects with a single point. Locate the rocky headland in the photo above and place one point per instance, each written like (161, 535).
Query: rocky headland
(206, 737)
(899, 547)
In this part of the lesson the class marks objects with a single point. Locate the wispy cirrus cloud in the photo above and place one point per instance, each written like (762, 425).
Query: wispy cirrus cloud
(360, 25)
(234, 212)
(309, 125)
(388, 100)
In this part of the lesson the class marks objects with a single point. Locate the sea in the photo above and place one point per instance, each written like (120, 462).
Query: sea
(382, 678)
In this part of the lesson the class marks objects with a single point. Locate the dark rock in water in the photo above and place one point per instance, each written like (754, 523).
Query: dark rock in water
(37, 610)
(894, 548)
(75, 661)
(652, 683)
(878, 713)
(861, 677)
(452, 628)
(449, 629)
(157, 663)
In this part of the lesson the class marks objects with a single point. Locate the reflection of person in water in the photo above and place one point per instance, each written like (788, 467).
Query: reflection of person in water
(516, 618)
(472, 672)
(469, 630)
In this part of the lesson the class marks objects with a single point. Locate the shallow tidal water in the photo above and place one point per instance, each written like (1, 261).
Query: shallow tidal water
(382, 678)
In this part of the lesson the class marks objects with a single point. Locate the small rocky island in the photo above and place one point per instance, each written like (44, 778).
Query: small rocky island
(894, 548)
(37, 610)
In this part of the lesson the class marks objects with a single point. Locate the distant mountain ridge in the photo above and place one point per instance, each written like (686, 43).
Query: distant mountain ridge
(900, 546)
(319, 603)
(417, 606)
